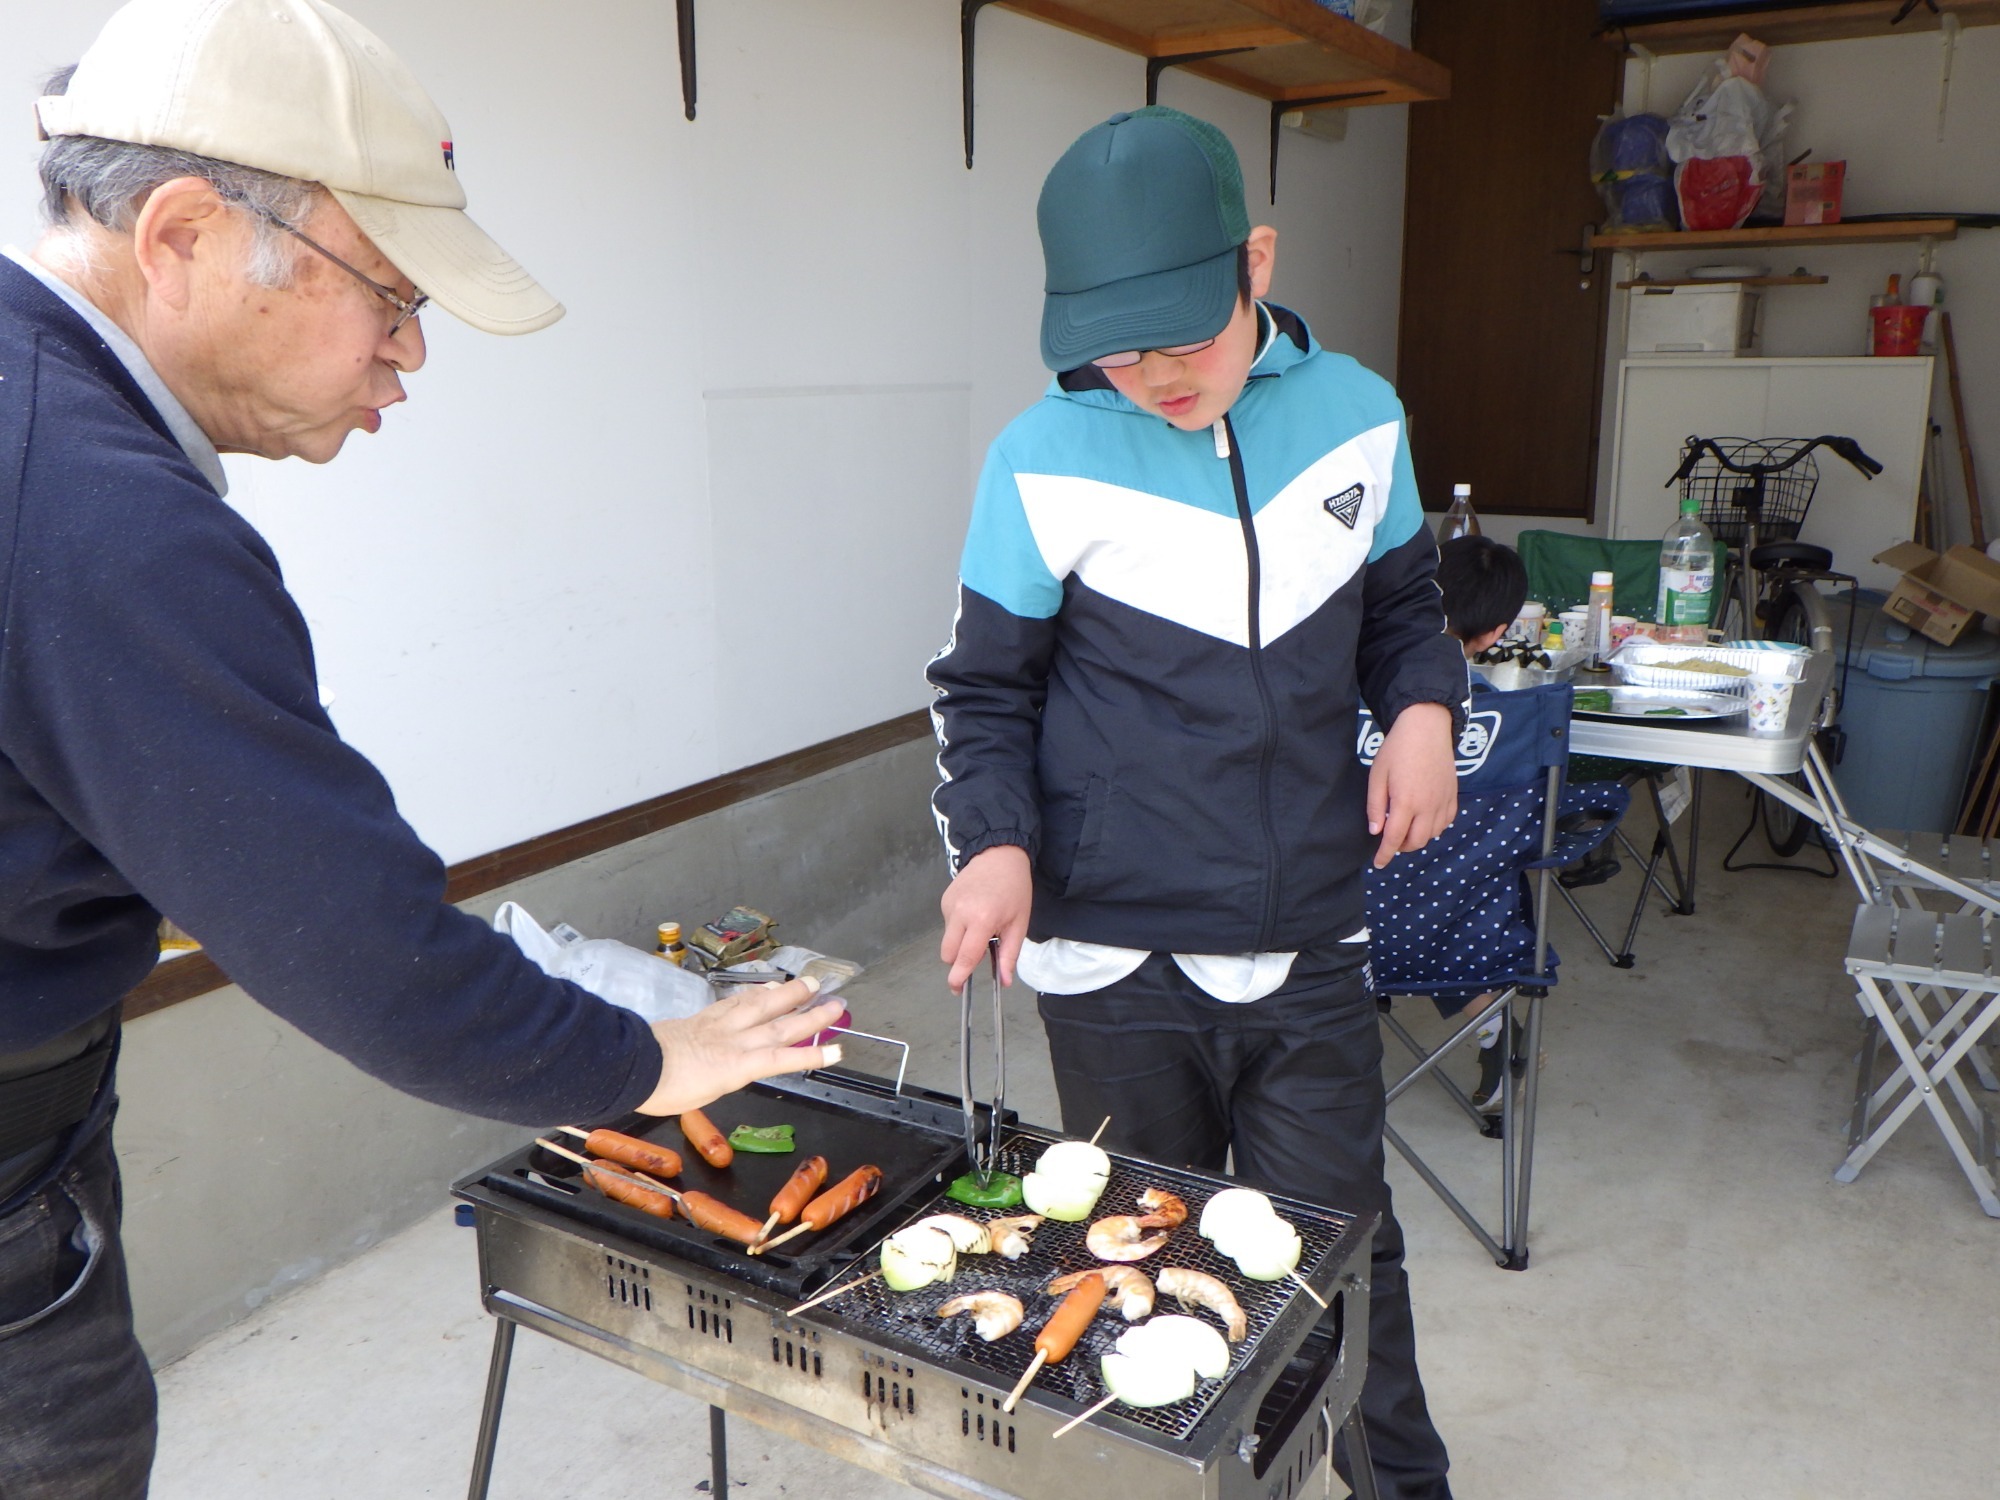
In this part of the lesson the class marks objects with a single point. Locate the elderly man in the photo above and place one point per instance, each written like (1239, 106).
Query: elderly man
(249, 202)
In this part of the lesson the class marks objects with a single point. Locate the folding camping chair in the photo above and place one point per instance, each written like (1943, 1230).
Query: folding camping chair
(1467, 915)
(1928, 983)
(1559, 566)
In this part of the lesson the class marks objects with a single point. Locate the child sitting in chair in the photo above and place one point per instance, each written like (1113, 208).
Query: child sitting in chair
(1484, 585)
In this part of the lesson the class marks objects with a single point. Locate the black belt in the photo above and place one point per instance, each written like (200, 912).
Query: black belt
(37, 1107)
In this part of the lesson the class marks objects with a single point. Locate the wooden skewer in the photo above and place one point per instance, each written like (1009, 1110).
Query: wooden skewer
(790, 1234)
(1081, 1417)
(1306, 1287)
(769, 1225)
(1101, 1129)
(572, 1130)
(829, 1296)
(1014, 1399)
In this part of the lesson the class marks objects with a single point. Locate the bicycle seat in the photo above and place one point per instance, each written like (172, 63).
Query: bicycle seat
(1792, 555)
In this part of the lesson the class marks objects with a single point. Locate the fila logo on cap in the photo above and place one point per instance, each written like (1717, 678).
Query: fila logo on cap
(1346, 506)
(450, 164)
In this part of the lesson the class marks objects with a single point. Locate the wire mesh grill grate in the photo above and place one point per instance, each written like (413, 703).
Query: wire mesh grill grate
(910, 1317)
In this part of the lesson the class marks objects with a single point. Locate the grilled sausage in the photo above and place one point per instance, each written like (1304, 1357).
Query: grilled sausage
(620, 1188)
(630, 1151)
(717, 1217)
(795, 1194)
(843, 1198)
(711, 1143)
(1065, 1327)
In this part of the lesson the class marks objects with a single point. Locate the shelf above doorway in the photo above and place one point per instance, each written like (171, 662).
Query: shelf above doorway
(1811, 23)
(1781, 236)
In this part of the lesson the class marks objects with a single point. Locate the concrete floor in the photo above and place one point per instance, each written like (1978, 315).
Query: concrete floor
(1707, 1314)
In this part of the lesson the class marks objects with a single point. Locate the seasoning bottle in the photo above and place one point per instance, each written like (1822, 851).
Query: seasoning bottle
(1597, 622)
(671, 948)
(1459, 520)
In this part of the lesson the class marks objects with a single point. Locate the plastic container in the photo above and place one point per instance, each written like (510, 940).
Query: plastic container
(1899, 330)
(1912, 715)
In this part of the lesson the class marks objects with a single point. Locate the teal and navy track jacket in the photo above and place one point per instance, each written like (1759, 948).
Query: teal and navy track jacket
(1162, 640)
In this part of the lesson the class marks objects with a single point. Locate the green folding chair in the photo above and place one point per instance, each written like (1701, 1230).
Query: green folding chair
(1559, 566)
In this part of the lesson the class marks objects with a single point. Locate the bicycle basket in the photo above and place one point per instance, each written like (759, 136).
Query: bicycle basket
(1790, 474)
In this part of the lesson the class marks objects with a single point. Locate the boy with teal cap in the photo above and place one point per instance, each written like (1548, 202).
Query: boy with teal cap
(1188, 564)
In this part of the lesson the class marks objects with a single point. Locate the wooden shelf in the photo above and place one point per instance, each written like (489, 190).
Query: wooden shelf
(1648, 284)
(1779, 236)
(1811, 23)
(1298, 51)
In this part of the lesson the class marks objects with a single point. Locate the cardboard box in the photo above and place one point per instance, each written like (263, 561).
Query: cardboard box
(1813, 192)
(1723, 318)
(1938, 597)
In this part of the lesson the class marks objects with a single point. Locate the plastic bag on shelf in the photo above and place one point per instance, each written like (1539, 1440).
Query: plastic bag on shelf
(629, 977)
(1723, 140)
(1634, 174)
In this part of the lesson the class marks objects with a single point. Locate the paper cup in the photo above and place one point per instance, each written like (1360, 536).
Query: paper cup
(1770, 704)
(1622, 627)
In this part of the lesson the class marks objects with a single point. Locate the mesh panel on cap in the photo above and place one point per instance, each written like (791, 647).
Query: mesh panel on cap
(1221, 160)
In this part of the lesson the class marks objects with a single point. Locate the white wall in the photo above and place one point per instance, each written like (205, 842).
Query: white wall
(738, 472)
(1874, 103)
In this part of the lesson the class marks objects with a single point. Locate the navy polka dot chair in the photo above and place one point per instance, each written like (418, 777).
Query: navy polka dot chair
(1464, 922)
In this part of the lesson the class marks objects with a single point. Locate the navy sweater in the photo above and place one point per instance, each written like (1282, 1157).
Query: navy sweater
(163, 750)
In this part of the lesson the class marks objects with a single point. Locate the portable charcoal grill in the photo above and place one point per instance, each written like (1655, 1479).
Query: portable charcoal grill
(872, 1376)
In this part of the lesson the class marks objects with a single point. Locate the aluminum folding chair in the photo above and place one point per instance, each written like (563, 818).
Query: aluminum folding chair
(1927, 984)
(1468, 915)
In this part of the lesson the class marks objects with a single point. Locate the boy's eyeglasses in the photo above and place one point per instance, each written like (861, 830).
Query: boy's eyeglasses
(1132, 357)
(404, 310)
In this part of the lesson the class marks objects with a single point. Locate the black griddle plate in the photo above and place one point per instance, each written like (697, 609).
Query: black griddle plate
(916, 1138)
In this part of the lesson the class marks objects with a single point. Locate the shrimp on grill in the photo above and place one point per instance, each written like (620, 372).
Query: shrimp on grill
(1131, 1286)
(1199, 1289)
(1013, 1238)
(994, 1314)
(1123, 1237)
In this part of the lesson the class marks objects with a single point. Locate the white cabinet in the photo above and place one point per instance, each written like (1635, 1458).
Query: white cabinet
(1883, 404)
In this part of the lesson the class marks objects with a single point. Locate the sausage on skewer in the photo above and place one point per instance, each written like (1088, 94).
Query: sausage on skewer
(796, 1193)
(711, 1143)
(1060, 1333)
(717, 1217)
(630, 1151)
(621, 1187)
(833, 1205)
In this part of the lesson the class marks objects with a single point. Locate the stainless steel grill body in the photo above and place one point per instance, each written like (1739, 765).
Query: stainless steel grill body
(874, 1378)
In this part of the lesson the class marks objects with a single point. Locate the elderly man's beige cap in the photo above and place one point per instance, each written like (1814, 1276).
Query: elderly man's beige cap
(302, 89)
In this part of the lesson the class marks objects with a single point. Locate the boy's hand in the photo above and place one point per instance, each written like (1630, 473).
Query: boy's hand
(1413, 785)
(988, 899)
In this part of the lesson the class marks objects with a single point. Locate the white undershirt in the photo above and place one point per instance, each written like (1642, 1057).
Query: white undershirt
(1062, 966)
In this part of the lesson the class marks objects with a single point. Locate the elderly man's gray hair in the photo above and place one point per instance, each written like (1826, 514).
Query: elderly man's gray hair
(109, 180)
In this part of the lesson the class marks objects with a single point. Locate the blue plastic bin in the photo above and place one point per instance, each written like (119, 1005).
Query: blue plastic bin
(1912, 715)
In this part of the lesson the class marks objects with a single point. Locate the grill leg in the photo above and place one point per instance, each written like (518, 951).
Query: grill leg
(718, 1452)
(489, 1415)
(1360, 1467)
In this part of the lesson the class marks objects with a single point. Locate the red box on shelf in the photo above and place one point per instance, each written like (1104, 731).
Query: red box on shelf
(1812, 192)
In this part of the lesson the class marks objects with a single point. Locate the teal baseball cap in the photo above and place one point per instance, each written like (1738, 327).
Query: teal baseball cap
(1140, 220)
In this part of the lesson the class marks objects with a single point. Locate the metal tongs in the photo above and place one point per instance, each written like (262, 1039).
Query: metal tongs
(985, 1160)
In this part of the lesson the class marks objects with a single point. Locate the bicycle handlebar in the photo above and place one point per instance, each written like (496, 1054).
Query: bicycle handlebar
(1846, 447)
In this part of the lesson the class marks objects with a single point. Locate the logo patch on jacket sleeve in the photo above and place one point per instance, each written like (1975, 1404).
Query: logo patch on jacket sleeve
(1346, 506)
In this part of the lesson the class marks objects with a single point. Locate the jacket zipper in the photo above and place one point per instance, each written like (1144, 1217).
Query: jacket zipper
(1226, 447)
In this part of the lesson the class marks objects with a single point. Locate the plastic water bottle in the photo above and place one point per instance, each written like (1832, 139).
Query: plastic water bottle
(1459, 520)
(1687, 577)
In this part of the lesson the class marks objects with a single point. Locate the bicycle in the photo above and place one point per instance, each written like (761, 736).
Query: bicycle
(1770, 586)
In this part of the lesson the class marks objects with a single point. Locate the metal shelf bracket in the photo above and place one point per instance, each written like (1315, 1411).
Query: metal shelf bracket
(684, 34)
(1282, 107)
(968, 22)
(1155, 66)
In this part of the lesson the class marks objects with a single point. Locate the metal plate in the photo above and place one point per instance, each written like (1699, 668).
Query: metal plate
(917, 1148)
(910, 1318)
(1656, 703)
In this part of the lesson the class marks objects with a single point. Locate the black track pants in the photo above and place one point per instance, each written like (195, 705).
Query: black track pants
(1293, 1084)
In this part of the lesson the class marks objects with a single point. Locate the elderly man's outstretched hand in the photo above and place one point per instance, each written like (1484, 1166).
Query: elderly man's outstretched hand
(736, 1041)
